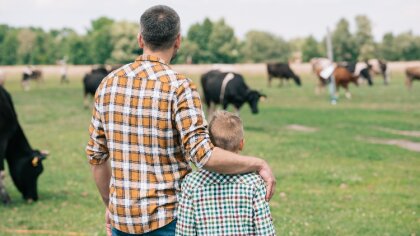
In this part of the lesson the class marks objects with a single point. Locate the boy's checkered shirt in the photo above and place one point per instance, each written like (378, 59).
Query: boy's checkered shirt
(148, 120)
(217, 204)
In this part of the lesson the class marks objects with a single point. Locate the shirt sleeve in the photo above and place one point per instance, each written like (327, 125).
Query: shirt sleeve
(97, 150)
(185, 225)
(190, 123)
(263, 223)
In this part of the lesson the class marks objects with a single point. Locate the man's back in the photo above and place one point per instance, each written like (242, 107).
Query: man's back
(217, 204)
(140, 113)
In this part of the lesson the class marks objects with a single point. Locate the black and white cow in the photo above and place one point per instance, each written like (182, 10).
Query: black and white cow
(25, 163)
(281, 71)
(228, 88)
(30, 74)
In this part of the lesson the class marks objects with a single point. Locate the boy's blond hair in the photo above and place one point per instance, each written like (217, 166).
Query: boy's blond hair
(226, 131)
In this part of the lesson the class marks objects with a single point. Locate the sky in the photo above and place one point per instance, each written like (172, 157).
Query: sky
(286, 18)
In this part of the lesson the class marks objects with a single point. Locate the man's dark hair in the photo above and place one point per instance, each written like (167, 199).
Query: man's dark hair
(159, 26)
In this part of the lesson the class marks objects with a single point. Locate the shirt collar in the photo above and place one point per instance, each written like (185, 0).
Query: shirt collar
(152, 58)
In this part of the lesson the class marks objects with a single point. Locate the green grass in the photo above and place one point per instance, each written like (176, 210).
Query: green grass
(329, 182)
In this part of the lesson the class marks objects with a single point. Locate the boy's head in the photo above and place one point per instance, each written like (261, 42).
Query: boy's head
(226, 131)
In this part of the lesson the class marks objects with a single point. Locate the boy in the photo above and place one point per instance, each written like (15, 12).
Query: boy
(218, 204)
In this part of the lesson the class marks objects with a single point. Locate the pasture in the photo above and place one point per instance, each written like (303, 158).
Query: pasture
(333, 179)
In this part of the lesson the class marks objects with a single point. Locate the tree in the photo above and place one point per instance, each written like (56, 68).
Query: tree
(188, 53)
(408, 45)
(260, 46)
(310, 49)
(200, 35)
(26, 38)
(343, 42)
(387, 48)
(223, 43)
(124, 41)
(9, 48)
(364, 39)
(79, 50)
(99, 38)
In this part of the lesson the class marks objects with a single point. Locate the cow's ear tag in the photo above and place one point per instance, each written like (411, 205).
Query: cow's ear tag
(262, 99)
(35, 161)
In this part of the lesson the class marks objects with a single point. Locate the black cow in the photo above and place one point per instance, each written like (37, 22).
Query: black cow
(281, 71)
(25, 163)
(228, 88)
(91, 82)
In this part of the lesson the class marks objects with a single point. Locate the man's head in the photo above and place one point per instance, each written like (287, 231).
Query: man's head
(159, 28)
(226, 131)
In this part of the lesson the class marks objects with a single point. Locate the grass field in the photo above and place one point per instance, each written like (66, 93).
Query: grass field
(331, 181)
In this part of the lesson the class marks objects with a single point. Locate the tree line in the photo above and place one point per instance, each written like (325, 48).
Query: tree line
(114, 42)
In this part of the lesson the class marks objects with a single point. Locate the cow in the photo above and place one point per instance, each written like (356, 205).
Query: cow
(91, 82)
(412, 73)
(30, 74)
(360, 69)
(281, 71)
(342, 78)
(228, 88)
(318, 64)
(380, 67)
(25, 163)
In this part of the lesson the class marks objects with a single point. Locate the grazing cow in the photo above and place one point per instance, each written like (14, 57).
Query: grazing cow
(281, 71)
(343, 77)
(319, 64)
(228, 88)
(30, 74)
(412, 73)
(360, 69)
(25, 163)
(91, 82)
(379, 67)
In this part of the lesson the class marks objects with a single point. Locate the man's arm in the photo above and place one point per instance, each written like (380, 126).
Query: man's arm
(98, 153)
(225, 162)
(102, 176)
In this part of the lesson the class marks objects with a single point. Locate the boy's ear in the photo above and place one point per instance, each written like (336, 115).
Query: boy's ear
(241, 145)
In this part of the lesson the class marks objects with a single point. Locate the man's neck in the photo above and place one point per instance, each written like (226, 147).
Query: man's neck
(164, 55)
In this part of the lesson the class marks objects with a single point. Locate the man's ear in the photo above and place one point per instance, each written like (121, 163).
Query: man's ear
(177, 42)
(140, 40)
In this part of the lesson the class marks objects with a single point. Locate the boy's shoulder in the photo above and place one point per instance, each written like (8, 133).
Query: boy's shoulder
(203, 177)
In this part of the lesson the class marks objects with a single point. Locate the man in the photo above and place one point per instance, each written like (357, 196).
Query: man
(148, 122)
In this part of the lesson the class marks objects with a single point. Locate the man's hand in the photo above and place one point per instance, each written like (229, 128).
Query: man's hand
(108, 223)
(269, 179)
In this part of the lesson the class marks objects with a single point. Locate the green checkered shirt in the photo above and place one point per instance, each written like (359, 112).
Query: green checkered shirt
(216, 204)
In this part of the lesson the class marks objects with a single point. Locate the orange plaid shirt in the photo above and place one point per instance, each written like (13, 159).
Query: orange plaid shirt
(148, 120)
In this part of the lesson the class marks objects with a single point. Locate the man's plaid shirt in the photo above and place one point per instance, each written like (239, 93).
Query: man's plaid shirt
(217, 204)
(148, 120)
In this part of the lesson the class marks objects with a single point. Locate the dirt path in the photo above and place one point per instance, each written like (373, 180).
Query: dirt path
(402, 143)
(301, 128)
(411, 133)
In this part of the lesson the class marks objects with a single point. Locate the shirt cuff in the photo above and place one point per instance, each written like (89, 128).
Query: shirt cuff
(205, 158)
(98, 161)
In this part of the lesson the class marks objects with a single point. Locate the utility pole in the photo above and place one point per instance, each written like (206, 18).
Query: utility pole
(331, 57)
